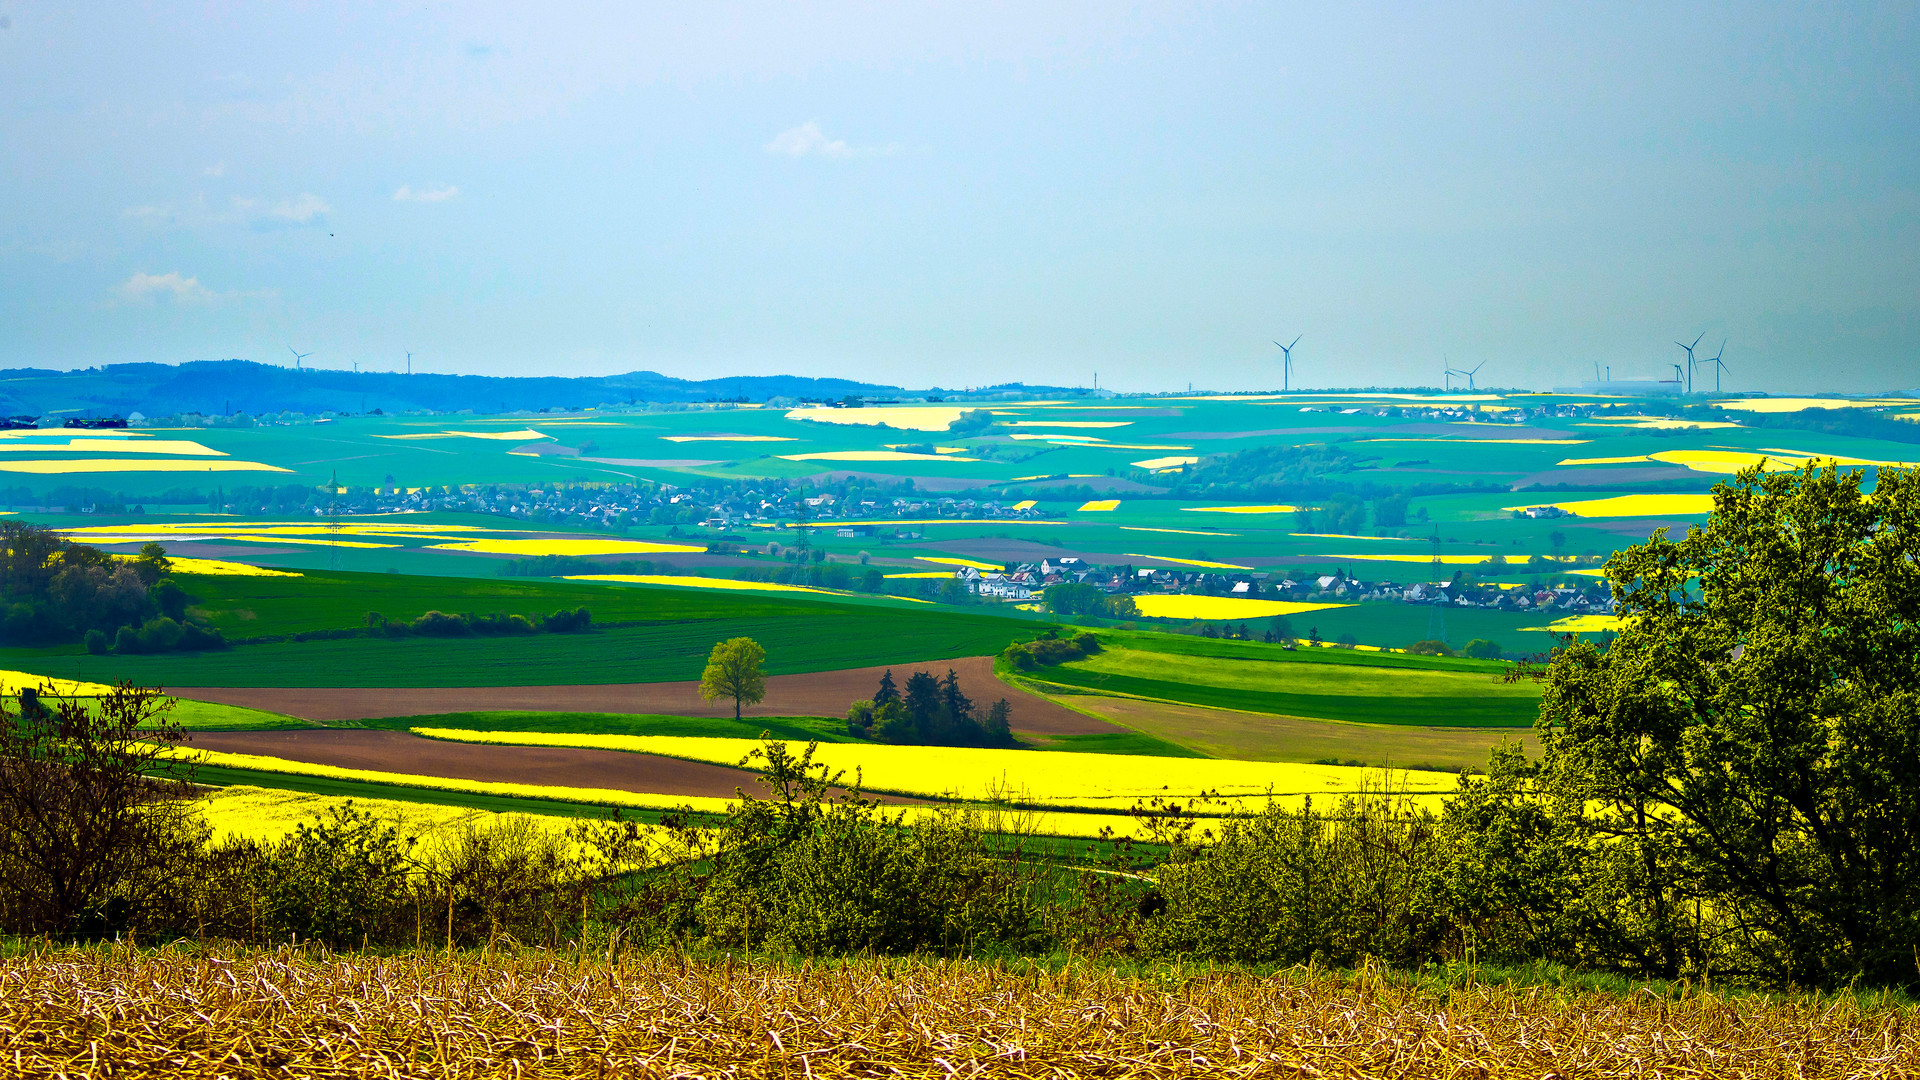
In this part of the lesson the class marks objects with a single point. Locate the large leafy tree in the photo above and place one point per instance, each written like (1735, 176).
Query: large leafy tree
(1747, 751)
(733, 671)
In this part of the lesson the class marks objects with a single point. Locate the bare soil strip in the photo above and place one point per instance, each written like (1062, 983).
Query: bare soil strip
(398, 751)
(821, 693)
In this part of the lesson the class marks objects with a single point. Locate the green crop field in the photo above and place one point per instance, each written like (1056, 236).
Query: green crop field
(246, 607)
(821, 640)
(1409, 709)
(1324, 684)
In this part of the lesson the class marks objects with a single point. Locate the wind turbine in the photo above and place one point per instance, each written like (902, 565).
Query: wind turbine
(1689, 349)
(297, 357)
(1470, 374)
(1286, 363)
(1719, 365)
(409, 362)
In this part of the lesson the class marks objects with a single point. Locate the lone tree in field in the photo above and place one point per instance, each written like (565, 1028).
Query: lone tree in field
(733, 670)
(1746, 753)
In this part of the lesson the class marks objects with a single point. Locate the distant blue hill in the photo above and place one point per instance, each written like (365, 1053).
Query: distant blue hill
(212, 387)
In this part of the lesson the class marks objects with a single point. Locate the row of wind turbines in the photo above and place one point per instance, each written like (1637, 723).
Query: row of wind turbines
(1718, 364)
(1682, 373)
(1286, 368)
(299, 356)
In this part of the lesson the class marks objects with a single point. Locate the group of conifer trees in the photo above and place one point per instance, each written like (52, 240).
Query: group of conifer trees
(931, 712)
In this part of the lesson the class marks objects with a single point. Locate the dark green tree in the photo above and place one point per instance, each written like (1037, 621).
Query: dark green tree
(1752, 736)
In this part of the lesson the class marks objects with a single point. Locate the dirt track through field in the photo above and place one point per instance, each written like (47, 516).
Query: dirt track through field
(822, 693)
(398, 751)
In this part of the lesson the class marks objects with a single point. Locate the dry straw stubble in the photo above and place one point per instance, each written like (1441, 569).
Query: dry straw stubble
(126, 1014)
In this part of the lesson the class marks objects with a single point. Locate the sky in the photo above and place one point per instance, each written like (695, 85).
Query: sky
(969, 193)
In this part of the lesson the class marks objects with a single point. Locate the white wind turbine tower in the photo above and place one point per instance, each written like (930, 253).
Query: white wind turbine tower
(1689, 349)
(1286, 363)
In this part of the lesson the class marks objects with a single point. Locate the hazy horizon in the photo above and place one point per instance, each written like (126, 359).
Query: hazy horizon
(964, 195)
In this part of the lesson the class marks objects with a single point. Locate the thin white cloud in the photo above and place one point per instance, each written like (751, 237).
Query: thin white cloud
(807, 140)
(142, 287)
(439, 194)
(215, 170)
(304, 209)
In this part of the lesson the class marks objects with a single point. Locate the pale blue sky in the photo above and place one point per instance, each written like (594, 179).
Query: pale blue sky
(967, 193)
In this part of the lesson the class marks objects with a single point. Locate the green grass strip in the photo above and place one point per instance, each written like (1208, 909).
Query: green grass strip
(1362, 709)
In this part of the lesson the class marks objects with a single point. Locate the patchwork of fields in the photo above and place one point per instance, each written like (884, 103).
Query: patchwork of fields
(305, 598)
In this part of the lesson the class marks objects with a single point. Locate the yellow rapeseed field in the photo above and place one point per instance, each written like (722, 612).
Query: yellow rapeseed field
(269, 814)
(203, 528)
(1064, 780)
(1189, 562)
(593, 796)
(1604, 460)
(1800, 404)
(1220, 607)
(729, 438)
(1099, 505)
(1269, 508)
(34, 434)
(523, 435)
(566, 546)
(1658, 423)
(12, 682)
(1350, 536)
(873, 455)
(1449, 439)
(262, 815)
(1634, 506)
(1580, 624)
(85, 537)
(179, 448)
(697, 582)
(1165, 463)
(1449, 560)
(1024, 504)
(923, 574)
(109, 465)
(948, 560)
(222, 568)
(976, 522)
(1179, 532)
(907, 418)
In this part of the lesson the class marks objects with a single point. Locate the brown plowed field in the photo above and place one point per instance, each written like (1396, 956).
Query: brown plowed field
(822, 693)
(397, 751)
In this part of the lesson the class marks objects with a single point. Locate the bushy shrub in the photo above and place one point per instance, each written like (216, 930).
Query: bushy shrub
(97, 643)
(1430, 647)
(1482, 649)
(440, 624)
(1288, 886)
(341, 880)
(1047, 651)
(568, 622)
(820, 875)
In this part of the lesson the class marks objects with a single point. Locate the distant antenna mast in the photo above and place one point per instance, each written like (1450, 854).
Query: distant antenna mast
(1286, 363)
(333, 520)
(409, 363)
(1437, 614)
